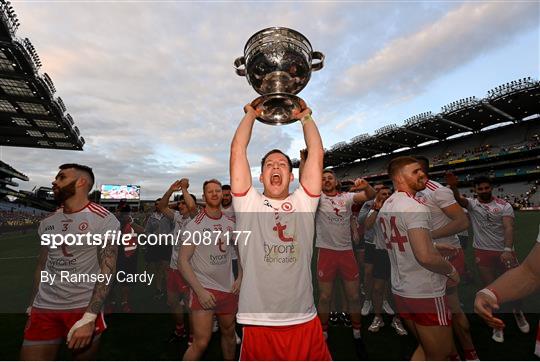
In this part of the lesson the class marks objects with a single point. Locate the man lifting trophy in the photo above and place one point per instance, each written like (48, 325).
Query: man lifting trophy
(278, 62)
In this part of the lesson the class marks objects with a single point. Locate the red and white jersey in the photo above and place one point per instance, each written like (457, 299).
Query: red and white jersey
(402, 212)
(437, 197)
(487, 224)
(180, 223)
(277, 289)
(73, 259)
(333, 221)
(211, 261)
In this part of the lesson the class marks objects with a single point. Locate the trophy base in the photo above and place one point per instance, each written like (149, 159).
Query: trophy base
(278, 108)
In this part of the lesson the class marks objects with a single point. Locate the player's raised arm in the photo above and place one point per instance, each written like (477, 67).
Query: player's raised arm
(163, 204)
(238, 162)
(311, 178)
(452, 182)
(364, 191)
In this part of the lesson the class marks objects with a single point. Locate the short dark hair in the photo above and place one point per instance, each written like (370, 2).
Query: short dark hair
(225, 187)
(83, 168)
(423, 160)
(181, 198)
(384, 187)
(397, 163)
(329, 170)
(481, 180)
(275, 150)
(211, 181)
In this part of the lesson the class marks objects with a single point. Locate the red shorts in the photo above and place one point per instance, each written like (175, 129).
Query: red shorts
(298, 342)
(226, 303)
(331, 262)
(49, 325)
(175, 282)
(492, 259)
(424, 311)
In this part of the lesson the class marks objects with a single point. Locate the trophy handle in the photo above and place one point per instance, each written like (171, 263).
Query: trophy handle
(240, 66)
(318, 56)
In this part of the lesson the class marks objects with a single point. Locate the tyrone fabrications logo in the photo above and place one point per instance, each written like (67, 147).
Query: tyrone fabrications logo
(280, 253)
(49, 228)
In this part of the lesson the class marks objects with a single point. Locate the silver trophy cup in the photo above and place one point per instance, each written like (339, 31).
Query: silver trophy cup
(278, 62)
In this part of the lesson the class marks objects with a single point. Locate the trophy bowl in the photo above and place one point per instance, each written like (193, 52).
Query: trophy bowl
(277, 63)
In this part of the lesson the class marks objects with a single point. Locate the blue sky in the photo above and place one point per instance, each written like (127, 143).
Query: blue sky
(152, 88)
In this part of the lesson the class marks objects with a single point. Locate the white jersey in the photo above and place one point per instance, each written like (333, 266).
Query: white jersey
(402, 212)
(365, 210)
(376, 230)
(180, 223)
(437, 197)
(277, 289)
(73, 260)
(211, 261)
(229, 212)
(487, 224)
(333, 221)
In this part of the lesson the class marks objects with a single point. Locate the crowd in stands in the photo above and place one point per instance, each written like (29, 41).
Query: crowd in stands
(15, 216)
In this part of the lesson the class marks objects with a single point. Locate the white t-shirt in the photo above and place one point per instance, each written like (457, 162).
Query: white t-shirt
(437, 197)
(180, 223)
(487, 224)
(369, 235)
(211, 263)
(277, 289)
(73, 260)
(402, 212)
(333, 221)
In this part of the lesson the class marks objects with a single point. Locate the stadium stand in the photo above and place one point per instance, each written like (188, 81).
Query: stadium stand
(497, 136)
(30, 115)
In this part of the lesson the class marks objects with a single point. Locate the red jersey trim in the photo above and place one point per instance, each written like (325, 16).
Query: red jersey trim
(241, 194)
(97, 211)
(199, 217)
(309, 193)
(430, 185)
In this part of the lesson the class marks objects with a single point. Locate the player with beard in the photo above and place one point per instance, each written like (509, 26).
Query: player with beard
(515, 284)
(63, 310)
(333, 240)
(448, 219)
(492, 222)
(276, 300)
(177, 288)
(419, 271)
(205, 263)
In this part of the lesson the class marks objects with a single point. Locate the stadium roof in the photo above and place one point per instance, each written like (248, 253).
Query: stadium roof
(6, 171)
(30, 115)
(510, 102)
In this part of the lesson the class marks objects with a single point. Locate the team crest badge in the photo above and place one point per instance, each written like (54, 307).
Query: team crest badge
(83, 226)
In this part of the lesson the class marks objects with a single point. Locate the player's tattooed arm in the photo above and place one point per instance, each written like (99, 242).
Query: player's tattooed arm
(107, 263)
